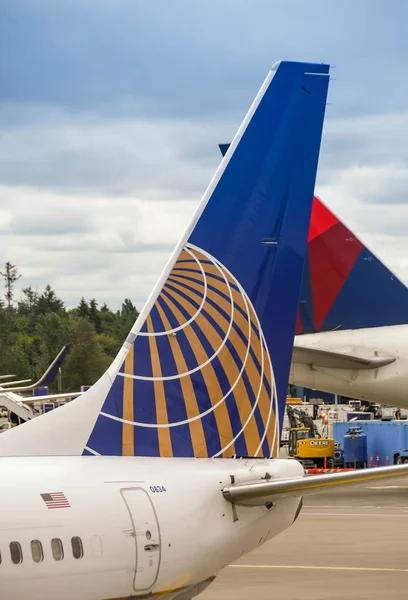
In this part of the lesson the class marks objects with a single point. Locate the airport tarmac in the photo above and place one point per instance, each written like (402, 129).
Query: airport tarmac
(349, 543)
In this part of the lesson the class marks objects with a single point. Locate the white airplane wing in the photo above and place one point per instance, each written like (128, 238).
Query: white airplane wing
(267, 491)
(50, 397)
(337, 360)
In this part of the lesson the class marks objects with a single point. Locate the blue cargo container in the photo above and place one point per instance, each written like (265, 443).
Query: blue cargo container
(386, 438)
(355, 448)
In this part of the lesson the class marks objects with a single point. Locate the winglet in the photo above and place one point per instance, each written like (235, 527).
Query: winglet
(49, 374)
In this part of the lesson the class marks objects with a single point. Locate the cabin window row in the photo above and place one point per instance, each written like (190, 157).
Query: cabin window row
(37, 551)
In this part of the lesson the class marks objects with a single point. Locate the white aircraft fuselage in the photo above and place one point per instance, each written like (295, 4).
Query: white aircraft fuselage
(387, 384)
(145, 525)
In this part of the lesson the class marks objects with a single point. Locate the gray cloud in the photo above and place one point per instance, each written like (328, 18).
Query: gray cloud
(111, 113)
(57, 224)
(182, 59)
(119, 157)
(120, 254)
(375, 139)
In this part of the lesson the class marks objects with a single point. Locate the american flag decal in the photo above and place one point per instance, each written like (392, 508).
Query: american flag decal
(55, 500)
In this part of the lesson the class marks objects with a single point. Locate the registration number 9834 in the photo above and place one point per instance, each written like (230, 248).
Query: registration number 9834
(157, 489)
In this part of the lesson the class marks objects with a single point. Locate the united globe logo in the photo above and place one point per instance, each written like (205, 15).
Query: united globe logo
(198, 378)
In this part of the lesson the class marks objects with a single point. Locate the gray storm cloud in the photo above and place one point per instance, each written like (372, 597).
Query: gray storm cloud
(110, 117)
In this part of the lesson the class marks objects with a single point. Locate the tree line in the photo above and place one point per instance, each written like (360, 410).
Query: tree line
(34, 329)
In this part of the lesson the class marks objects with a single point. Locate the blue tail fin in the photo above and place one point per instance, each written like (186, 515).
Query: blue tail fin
(55, 366)
(207, 369)
(204, 371)
(344, 285)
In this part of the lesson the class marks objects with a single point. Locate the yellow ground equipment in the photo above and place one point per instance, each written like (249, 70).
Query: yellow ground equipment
(305, 443)
(310, 451)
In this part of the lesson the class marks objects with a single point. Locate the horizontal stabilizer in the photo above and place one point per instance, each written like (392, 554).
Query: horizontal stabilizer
(267, 490)
(51, 397)
(338, 360)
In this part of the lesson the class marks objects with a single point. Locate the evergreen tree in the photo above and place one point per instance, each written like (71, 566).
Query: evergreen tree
(128, 316)
(129, 309)
(33, 334)
(49, 302)
(94, 314)
(86, 361)
(29, 302)
(83, 309)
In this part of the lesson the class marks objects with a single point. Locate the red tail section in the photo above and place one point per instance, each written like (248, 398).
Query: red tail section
(344, 285)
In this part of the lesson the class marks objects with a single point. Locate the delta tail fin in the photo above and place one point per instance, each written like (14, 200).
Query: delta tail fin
(344, 285)
(204, 371)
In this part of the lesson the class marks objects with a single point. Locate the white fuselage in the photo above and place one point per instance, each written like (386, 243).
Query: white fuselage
(386, 385)
(145, 525)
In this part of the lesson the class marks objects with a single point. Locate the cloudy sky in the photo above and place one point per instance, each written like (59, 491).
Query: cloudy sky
(111, 112)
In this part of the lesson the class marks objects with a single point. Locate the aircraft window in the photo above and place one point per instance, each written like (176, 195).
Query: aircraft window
(77, 548)
(37, 551)
(57, 549)
(16, 553)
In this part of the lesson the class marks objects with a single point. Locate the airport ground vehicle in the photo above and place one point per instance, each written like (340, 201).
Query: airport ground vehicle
(305, 443)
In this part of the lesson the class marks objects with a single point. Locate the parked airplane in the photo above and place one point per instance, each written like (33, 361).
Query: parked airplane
(353, 314)
(352, 324)
(48, 376)
(18, 406)
(94, 503)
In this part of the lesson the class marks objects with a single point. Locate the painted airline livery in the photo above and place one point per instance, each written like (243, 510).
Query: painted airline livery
(352, 321)
(18, 406)
(47, 377)
(165, 471)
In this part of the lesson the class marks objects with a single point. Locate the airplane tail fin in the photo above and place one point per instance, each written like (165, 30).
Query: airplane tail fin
(204, 370)
(47, 377)
(344, 285)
